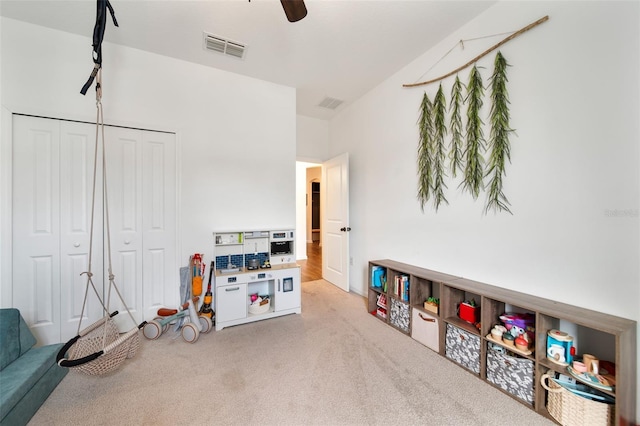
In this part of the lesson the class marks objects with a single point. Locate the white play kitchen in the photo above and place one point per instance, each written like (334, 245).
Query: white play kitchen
(256, 276)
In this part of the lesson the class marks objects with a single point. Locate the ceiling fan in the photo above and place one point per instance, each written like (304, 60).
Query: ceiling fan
(294, 9)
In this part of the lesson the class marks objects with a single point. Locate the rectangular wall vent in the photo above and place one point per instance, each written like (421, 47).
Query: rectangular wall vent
(224, 46)
(330, 103)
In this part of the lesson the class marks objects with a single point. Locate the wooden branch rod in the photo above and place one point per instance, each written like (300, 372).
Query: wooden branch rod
(486, 52)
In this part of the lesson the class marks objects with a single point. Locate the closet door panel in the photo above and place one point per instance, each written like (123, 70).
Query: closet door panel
(124, 186)
(161, 282)
(77, 154)
(36, 230)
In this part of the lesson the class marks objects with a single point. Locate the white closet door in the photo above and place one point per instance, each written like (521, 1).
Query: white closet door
(36, 225)
(52, 185)
(124, 187)
(77, 152)
(161, 283)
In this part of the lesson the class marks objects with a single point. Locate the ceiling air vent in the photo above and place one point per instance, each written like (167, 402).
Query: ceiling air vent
(224, 46)
(330, 103)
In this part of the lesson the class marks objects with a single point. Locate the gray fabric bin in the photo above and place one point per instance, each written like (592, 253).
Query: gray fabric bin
(399, 315)
(513, 374)
(463, 347)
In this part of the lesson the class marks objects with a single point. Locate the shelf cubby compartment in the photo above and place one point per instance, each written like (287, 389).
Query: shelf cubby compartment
(421, 290)
(377, 301)
(377, 277)
(586, 340)
(493, 309)
(399, 285)
(453, 297)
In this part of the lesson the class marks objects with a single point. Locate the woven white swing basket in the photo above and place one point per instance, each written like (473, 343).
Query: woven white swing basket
(116, 348)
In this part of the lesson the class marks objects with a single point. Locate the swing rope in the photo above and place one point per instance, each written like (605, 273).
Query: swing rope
(100, 348)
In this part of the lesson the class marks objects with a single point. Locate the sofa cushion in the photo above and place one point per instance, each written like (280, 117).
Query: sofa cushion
(21, 413)
(15, 336)
(21, 375)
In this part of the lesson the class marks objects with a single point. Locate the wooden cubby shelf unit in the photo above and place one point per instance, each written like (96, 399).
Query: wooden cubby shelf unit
(606, 336)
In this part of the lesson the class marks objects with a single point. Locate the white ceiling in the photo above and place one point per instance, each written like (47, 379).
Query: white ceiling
(342, 49)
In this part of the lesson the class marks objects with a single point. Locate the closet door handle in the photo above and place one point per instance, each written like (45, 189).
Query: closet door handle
(127, 242)
(76, 245)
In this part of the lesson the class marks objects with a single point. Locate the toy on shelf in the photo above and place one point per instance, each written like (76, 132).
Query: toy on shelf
(520, 323)
(469, 311)
(560, 347)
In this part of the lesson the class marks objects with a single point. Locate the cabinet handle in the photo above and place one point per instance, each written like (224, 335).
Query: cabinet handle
(278, 285)
(127, 242)
(232, 289)
(426, 319)
(76, 245)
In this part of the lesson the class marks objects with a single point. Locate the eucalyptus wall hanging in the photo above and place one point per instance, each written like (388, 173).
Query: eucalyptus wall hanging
(465, 144)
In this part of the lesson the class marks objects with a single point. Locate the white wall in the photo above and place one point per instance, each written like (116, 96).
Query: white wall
(574, 181)
(312, 139)
(236, 135)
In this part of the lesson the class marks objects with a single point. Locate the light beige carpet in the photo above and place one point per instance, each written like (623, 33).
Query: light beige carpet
(334, 364)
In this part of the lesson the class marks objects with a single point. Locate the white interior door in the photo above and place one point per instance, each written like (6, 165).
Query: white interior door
(334, 193)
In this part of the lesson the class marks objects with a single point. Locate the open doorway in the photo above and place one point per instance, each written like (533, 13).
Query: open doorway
(309, 177)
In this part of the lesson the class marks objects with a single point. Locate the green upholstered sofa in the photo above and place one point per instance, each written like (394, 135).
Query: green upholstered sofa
(28, 374)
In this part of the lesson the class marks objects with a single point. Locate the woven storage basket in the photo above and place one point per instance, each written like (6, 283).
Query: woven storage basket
(570, 409)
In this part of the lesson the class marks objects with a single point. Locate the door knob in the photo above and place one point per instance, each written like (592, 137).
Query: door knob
(345, 229)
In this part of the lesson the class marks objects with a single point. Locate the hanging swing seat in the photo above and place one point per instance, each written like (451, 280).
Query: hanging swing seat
(88, 353)
(100, 348)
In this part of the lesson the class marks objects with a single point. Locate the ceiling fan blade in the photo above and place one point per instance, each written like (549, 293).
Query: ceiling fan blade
(294, 9)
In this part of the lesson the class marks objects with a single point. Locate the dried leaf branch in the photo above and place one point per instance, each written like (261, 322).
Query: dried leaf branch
(455, 126)
(440, 131)
(499, 146)
(425, 163)
(473, 172)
